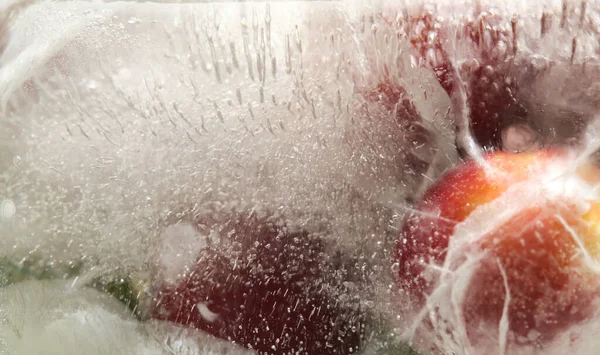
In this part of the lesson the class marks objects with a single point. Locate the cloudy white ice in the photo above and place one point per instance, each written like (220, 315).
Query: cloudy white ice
(119, 119)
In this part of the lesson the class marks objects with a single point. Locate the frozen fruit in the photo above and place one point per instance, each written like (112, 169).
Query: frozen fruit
(487, 64)
(260, 284)
(529, 222)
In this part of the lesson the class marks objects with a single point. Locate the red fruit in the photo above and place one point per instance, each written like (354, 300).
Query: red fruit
(490, 77)
(544, 252)
(263, 286)
(491, 83)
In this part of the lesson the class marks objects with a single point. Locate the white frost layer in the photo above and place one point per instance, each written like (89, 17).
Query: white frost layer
(53, 317)
(180, 246)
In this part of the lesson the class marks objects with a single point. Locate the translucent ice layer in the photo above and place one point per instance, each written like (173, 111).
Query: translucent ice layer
(127, 129)
(62, 317)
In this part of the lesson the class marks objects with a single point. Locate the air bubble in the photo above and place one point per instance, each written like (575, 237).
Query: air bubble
(17, 160)
(519, 137)
(91, 84)
(206, 313)
(7, 210)
(489, 71)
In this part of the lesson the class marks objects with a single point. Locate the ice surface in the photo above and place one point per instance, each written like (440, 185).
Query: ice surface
(59, 317)
(137, 122)
(120, 121)
(180, 245)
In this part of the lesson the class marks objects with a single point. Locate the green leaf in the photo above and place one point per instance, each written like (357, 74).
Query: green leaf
(126, 291)
(384, 339)
(12, 272)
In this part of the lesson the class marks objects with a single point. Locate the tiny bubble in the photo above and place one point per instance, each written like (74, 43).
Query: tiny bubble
(17, 160)
(7, 209)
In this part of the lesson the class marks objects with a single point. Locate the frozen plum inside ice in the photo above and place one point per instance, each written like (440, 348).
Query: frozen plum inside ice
(258, 282)
(514, 241)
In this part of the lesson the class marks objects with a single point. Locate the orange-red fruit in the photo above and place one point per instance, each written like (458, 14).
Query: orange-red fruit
(545, 252)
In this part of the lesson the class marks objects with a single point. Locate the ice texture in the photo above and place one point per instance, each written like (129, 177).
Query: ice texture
(130, 116)
(445, 308)
(63, 317)
(120, 121)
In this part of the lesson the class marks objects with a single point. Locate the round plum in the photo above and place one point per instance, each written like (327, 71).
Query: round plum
(260, 284)
(528, 223)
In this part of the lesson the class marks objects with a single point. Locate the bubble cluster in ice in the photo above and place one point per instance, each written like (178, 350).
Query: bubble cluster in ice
(120, 120)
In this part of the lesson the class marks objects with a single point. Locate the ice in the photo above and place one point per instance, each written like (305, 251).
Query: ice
(56, 317)
(126, 129)
(135, 124)
(7, 209)
(178, 251)
(121, 122)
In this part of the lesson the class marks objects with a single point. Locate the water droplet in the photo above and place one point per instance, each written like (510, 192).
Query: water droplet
(7, 210)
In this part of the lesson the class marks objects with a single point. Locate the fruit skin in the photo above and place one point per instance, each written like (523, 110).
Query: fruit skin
(264, 287)
(491, 72)
(451, 200)
(551, 286)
